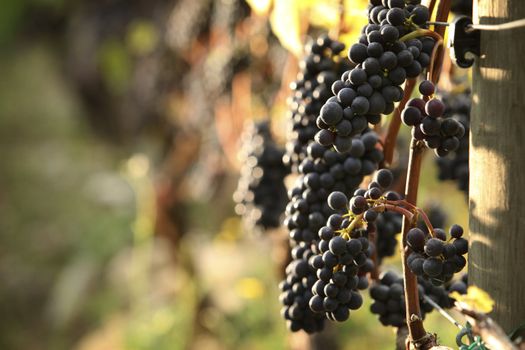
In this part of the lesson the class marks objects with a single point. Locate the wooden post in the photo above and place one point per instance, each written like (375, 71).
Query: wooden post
(497, 163)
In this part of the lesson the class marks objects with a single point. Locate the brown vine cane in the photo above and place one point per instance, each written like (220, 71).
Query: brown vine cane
(417, 333)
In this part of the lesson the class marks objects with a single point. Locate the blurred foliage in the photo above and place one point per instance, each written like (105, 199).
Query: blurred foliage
(290, 19)
(84, 259)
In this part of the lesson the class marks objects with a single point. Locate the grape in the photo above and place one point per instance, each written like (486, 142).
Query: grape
(384, 177)
(360, 105)
(434, 247)
(374, 50)
(416, 239)
(357, 53)
(433, 267)
(456, 231)
(337, 245)
(395, 16)
(426, 88)
(388, 60)
(461, 245)
(420, 15)
(434, 108)
(440, 234)
(331, 113)
(346, 96)
(343, 144)
(357, 76)
(411, 116)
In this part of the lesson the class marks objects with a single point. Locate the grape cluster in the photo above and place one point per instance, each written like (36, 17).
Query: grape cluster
(325, 171)
(296, 292)
(322, 172)
(455, 165)
(438, 133)
(318, 71)
(344, 254)
(389, 299)
(389, 225)
(383, 63)
(435, 258)
(335, 292)
(261, 194)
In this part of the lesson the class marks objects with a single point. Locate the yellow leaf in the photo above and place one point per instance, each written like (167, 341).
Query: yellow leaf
(355, 18)
(324, 13)
(285, 20)
(260, 7)
(476, 299)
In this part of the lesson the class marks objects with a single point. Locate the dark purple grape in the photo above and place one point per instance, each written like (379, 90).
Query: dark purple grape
(426, 88)
(416, 239)
(434, 108)
(337, 200)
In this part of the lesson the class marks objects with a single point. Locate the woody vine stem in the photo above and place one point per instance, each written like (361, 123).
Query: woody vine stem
(417, 333)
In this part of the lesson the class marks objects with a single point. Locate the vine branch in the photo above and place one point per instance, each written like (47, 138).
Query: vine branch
(395, 124)
(413, 312)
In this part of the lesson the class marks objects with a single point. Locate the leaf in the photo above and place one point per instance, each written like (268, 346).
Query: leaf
(354, 19)
(260, 7)
(324, 13)
(476, 299)
(285, 20)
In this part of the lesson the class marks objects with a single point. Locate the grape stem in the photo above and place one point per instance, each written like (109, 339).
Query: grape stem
(394, 208)
(419, 33)
(427, 222)
(415, 324)
(416, 330)
(395, 124)
(354, 222)
(372, 236)
(436, 61)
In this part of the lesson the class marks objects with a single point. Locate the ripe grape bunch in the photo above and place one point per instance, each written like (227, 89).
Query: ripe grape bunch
(389, 299)
(341, 266)
(389, 225)
(384, 60)
(434, 258)
(428, 122)
(261, 194)
(344, 256)
(323, 171)
(319, 69)
(455, 165)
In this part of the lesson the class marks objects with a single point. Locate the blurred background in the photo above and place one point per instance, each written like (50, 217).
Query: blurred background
(120, 128)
